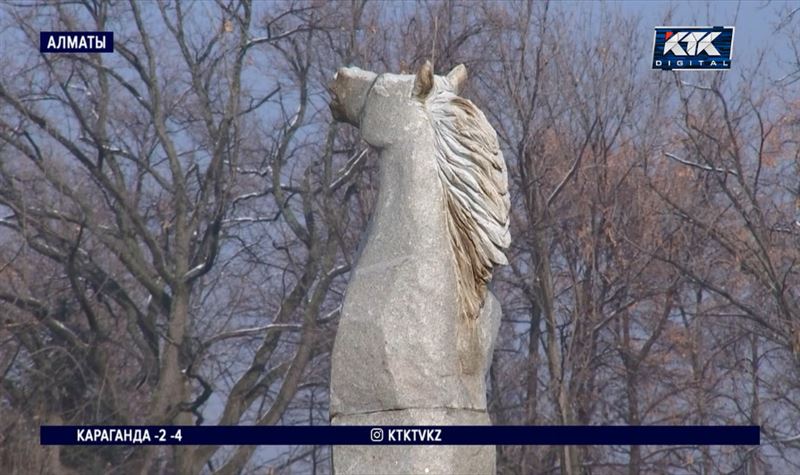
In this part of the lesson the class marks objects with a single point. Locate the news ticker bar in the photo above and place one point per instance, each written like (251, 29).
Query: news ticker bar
(400, 435)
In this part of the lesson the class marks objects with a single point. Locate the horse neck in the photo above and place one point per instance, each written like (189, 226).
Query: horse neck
(409, 217)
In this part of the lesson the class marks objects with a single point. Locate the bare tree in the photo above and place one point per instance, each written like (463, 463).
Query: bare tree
(145, 180)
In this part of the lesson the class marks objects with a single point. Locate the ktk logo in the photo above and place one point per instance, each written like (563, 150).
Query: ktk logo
(692, 48)
(696, 43)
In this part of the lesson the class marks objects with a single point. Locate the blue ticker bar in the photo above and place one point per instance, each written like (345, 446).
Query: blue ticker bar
(400, 435)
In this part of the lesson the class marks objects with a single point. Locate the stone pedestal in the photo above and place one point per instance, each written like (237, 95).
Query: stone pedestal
(414, 459)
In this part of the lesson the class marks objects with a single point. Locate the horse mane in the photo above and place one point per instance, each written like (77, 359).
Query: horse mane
(475, 183)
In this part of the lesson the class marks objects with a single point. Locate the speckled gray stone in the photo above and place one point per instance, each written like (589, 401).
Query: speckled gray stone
(396, 358)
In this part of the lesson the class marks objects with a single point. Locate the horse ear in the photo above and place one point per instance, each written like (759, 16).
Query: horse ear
(458, 78)
(423, 83)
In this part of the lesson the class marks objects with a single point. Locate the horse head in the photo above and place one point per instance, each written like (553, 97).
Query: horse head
(378, 103)
(390, 108)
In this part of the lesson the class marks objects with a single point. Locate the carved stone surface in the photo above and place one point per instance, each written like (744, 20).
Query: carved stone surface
(418, 323)
(390, 353)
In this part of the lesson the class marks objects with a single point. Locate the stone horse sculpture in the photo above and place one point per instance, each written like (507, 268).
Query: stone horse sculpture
(418, 322)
